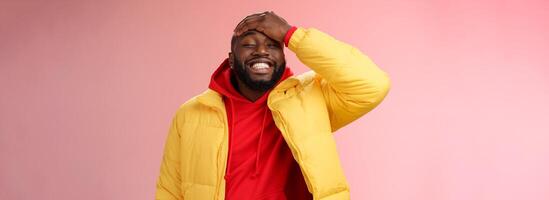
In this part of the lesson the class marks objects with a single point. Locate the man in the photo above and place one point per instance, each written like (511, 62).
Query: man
(261, 133)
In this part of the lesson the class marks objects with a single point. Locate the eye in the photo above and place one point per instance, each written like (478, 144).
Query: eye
(247, 45)
(273, 45)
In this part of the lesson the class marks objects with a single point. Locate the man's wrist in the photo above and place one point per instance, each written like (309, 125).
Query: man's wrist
(288, 35)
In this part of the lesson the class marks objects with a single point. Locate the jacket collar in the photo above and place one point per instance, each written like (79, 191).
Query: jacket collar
(212, 99)
(290, 87)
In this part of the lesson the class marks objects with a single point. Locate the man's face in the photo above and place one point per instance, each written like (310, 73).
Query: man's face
(257, 60)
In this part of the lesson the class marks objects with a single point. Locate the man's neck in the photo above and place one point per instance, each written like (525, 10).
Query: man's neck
(243, 89)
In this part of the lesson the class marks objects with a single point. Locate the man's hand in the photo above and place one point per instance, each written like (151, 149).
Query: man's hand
(268, 23)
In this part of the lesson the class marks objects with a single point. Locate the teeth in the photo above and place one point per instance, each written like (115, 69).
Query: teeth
(260, 66)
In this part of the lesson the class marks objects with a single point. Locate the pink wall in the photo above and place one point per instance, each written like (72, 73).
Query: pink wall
(88, 89)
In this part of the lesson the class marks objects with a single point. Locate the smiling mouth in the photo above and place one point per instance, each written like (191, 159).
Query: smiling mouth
(260, 67)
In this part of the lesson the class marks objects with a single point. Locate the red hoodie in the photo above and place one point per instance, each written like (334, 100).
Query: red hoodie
(260, 165)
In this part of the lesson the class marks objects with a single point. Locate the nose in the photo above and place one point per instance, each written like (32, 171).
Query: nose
(261, 50)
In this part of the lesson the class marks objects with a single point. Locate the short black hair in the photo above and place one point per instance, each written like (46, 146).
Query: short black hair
(233, 42)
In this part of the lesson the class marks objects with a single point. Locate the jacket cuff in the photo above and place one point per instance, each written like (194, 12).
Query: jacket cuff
(296, 38)
(289, 35)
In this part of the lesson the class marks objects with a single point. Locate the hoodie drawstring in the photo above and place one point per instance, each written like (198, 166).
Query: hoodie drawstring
(228, 174)
(256, 170)
(258, 154)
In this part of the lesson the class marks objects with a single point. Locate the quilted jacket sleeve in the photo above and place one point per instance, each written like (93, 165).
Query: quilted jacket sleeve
(351, 83)
(169, 181)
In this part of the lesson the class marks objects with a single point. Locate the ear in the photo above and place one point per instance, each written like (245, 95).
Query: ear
(231, 59)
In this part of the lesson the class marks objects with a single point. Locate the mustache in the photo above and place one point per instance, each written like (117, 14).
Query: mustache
(239, 71)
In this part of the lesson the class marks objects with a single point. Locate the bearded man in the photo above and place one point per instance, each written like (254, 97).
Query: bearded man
(259, 131)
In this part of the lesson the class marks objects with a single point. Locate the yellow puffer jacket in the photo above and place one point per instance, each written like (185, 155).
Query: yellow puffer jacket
(344, 85)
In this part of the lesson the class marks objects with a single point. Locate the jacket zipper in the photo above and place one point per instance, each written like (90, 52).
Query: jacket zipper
(284, 130)
(224, 161)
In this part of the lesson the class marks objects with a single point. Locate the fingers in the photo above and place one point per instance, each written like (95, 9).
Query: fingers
(249, 22)
(249, 25)
(266, 22)
(250, 17)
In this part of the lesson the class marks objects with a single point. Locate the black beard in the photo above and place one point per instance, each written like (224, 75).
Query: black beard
(260, 86)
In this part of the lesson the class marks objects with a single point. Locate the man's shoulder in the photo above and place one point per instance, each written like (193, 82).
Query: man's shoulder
(208, 98)
(307, 77)
(303, 79)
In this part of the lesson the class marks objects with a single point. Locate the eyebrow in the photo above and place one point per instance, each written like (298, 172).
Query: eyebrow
(250, 32)
(253, 32)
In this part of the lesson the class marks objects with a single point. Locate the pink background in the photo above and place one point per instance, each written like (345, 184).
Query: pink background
(88, 89)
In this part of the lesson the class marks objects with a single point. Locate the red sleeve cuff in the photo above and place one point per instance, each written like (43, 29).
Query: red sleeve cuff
(289, 35)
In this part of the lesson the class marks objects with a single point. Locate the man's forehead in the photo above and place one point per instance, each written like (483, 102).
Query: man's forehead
(248, 34)
(252, 33)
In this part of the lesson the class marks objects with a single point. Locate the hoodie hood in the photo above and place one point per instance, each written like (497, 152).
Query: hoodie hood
(259, 162)
(252, 134)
